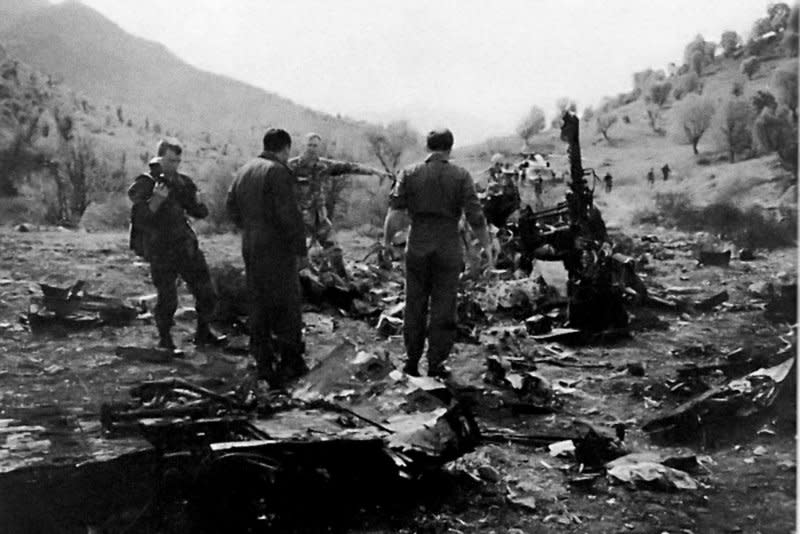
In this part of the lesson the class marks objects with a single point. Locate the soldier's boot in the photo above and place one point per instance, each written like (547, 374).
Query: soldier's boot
(293, 366)
(165, 339)
(205, 336)
(411, 368)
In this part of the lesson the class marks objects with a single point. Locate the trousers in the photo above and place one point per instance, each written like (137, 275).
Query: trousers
(184, 259)
(433, 267)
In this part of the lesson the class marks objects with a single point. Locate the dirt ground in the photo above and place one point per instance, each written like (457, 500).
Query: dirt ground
(54, 385)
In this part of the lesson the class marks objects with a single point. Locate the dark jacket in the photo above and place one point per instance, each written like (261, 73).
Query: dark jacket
(167, 226)
(262, 202)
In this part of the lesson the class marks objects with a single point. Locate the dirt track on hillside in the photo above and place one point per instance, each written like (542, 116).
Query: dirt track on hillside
(50, 382)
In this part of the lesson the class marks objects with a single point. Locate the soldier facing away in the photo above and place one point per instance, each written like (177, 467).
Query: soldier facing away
(317, 195)
(608, 180)
(651, 176)
(665, 170)
(435, 193)
(161, 234)
(262, 202)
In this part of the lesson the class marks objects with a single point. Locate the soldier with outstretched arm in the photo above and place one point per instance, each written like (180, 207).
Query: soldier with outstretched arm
(161, 234)
(435, 193)
(317, 194)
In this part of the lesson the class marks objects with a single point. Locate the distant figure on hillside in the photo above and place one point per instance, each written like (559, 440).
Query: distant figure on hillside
(608, 181)
(651, 177)
(665, 170)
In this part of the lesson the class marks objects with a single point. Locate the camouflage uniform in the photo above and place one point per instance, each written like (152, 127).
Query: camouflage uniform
(316, 197)
(435, 193)
(262, 202)
(167, 241)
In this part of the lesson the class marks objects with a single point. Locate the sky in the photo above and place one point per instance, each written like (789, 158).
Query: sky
(473, 65)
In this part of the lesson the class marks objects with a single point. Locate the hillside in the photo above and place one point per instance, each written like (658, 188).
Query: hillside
(95, 57)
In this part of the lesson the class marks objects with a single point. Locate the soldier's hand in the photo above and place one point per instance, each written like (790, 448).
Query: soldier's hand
(160, 190)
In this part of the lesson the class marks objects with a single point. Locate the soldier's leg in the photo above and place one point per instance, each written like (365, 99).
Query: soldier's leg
(261, 347)
(286, 319)
(447, 266)
(418, 290)
(194, 271)
(164, 273)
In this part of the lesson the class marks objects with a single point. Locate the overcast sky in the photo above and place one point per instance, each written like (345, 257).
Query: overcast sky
(475, 64)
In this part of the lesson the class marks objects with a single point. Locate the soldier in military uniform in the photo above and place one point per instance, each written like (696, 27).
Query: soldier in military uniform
(317, 192)
(162, 235)
(262, 202)
(435, 193)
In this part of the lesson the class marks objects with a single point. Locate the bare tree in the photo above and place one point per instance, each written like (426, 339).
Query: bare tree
(694, 116)
(390, 143)
(532, 124)
(604, 123)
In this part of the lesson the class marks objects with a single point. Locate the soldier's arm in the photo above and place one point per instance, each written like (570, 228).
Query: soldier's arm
(474, 214)
(338, 168)
(287, 214)
(145, 205)
(398, 203)
(232, 206)
(190, 202)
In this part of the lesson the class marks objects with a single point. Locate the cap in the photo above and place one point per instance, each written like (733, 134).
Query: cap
(155, 161)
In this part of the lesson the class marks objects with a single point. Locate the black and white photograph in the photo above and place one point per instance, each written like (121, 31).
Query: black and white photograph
(377, 267)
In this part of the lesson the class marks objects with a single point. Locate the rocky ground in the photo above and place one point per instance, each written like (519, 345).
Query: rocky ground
(745, 470)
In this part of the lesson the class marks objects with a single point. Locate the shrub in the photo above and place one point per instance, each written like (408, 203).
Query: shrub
(216, 178)
(730, 42)
(109, 214)
(604, 123)
(784, 86)
(685, 84)
(763, 99)
(736, 125)
(750, 66)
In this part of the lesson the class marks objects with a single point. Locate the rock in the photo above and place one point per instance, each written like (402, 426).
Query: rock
(538, 324)
(186, 313)
(635, 368)
(760, 289)
(389, 326)
(24, 227)
(746, 254)
(489, 474)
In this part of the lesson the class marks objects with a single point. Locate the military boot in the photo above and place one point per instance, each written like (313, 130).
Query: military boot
(165, 339)
(205, 336)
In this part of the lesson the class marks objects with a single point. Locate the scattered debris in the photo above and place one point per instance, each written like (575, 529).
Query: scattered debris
(645, 470)
(714, 258)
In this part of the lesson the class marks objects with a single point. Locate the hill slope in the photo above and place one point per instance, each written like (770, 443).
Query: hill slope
(96, 57)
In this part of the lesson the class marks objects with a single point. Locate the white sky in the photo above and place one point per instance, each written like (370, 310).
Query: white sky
(432, 61)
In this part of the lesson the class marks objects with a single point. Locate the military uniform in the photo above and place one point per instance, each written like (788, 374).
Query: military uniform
(166, 240)
(317, 195)
(435, 193)
(262, 202)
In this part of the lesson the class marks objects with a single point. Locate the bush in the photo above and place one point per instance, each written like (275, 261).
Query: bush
(752, 227)
(685, 84)
(789, 43)
(366, 203)
(604, 123)
(750, 66)
(214, 179)
(784, 86)
(736, 125)
(730, 42)
(110, 214)
(763, 99)
(658, 93)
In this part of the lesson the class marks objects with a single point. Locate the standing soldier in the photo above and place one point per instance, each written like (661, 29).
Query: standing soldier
(609, 181)
(435, 193)
(651, 177)
(317, 195)
(665, 170)
(262, 202)
(161, 234)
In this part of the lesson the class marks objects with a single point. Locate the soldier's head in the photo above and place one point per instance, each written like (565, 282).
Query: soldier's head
(279, 142)
(313, 145)
(169, 150)
(440, 140)
(497, 160)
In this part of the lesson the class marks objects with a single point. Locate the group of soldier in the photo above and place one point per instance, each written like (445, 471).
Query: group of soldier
(281, 205)
(665, 172)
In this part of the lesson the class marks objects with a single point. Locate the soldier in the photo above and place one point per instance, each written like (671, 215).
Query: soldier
(609, 182)
(263, 203)
(665, 170)
(161, 234)
(435, 193)
(317, 195)
(651, 177)
(496, 169)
